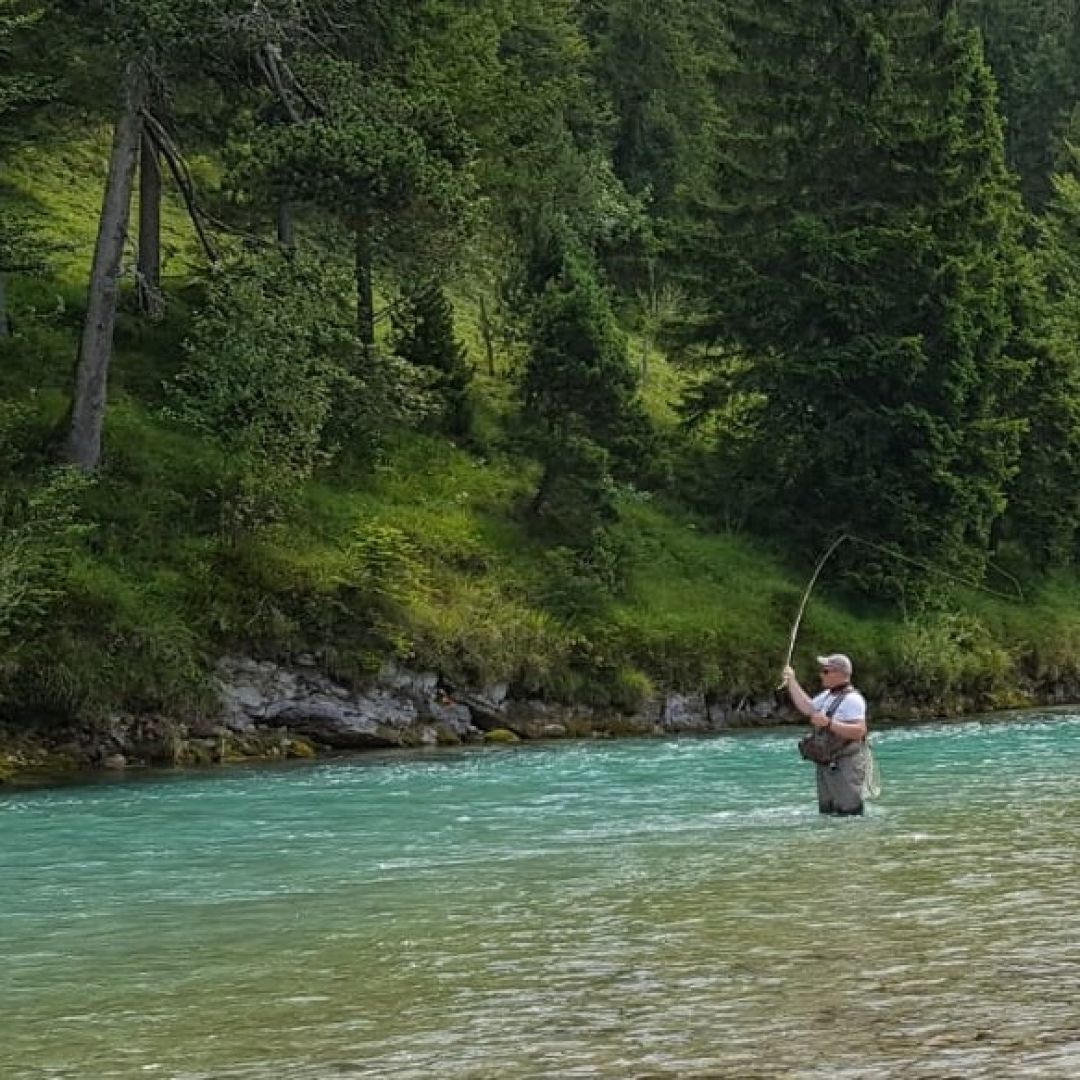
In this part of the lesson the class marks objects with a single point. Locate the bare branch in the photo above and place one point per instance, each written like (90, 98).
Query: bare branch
(181, 174)
(294, 84)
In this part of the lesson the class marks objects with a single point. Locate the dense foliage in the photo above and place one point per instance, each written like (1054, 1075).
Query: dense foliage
(861, 293)
(625, 277)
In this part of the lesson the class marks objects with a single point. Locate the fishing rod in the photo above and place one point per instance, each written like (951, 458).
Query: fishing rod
(806, 596)
(922, 564)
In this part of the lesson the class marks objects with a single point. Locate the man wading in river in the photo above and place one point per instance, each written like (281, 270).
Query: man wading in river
(838, 743)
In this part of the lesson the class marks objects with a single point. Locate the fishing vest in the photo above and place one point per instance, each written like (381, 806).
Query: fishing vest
(824, 747)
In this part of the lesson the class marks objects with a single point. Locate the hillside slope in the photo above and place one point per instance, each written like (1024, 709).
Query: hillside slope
(423, 556)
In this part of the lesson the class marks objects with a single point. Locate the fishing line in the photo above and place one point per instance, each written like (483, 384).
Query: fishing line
(966, 582)
(922, 564)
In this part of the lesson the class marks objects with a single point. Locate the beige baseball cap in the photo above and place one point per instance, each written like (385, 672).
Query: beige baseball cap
(836, 662)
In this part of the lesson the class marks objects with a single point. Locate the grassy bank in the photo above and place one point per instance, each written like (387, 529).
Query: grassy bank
(423, 555)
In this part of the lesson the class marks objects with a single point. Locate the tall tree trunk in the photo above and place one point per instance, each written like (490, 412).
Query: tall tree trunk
(149, 225)
(365, 289)
(540, 498)
(5, 326)
(83, 446)
(286, 225)
(652, 308)
(488, 335)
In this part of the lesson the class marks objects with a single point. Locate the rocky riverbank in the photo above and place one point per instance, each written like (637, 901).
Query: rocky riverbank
(270, 710)
(273, 711)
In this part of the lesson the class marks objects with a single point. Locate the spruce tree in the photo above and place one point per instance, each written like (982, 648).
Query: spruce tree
(1044, 499)
(655, 62)
(20, 89)
(580, 403)
(868, 229)
(424, 335)
(1032, 48)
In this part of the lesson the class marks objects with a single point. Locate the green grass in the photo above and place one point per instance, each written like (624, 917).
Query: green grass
(61, 180)
(458, 585)
(426, 558)
(715, 611)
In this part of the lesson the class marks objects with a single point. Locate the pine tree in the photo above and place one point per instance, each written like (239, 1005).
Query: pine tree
(389, 160)
(143, 44)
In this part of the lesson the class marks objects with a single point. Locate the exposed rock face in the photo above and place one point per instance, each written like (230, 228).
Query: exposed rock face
(260, 693)
(269, 711)
(682, 712)
(410, 708)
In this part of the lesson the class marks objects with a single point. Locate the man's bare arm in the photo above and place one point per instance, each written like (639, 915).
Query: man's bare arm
(799, 697)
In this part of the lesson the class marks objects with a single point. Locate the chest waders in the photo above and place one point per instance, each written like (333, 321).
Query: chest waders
(840, 781)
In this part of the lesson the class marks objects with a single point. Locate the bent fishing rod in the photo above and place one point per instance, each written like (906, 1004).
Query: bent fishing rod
(842, 538)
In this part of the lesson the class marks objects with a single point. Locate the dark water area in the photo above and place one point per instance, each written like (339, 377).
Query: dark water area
(663, 908)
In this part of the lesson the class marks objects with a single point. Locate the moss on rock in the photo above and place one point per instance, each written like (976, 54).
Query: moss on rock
(501, 735)
(300, 748)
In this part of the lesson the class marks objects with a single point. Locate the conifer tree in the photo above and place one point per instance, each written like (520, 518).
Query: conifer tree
(868, 228)
(19, 89)
(142, 43)
(580, 402)
(389, 160)
(656, 64)
(1044, 499)
(424, 335)
(547, 166)
(655, 61)
(1032, 48)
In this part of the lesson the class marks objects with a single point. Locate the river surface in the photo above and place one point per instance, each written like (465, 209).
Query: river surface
(609, 910)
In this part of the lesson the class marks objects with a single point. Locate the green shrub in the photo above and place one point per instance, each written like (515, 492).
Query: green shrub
(40, 531)
(947, 652)
(268, 356)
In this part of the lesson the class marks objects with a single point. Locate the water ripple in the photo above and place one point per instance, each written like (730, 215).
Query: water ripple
(607, 911)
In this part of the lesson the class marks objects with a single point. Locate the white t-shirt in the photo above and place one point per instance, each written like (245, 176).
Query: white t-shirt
(852, 709)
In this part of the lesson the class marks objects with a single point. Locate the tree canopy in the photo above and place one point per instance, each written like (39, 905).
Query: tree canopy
(789, 269)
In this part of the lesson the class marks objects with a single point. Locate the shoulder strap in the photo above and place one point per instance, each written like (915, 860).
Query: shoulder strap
(838, 696)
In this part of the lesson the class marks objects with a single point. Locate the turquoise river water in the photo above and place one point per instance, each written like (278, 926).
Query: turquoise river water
(608, 910)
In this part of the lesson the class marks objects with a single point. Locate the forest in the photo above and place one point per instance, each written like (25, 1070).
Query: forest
(545, 342)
